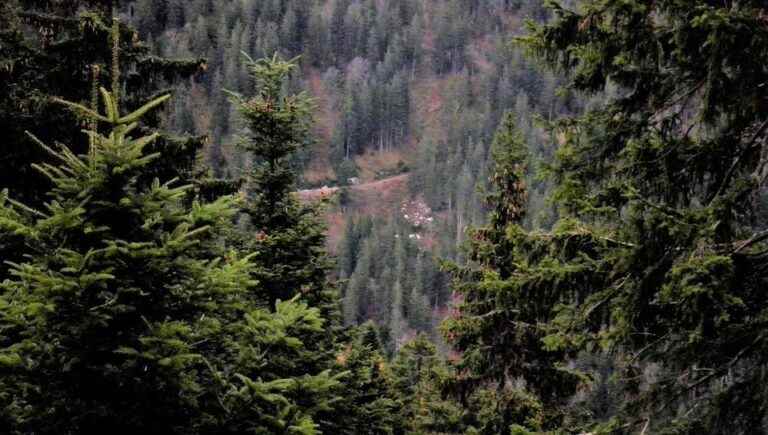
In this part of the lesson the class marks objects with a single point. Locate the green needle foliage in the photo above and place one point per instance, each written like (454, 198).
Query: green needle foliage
(118, 284)
(128, 315)
(506, 294)
(419, 376)
(63, 49)
(369, 404)
(290, 261)
(288, 236)
(657, 263)
(665, 183)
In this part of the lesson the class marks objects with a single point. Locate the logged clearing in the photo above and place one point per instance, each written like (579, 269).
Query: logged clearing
(373, 198)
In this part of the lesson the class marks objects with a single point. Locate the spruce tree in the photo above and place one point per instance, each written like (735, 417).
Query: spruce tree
(419, 375)
(656, 261)
(60, 49)
(419, 315)
(105, 318)
(53, 49)
(397, 322)
(351, 393)
(348, 250)
(355, 287)
(660, 184)
(497, 325)
(127, 314)
(287, 235)
(370, 404)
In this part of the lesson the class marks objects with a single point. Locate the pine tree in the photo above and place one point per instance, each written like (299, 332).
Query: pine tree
(120, 281)
(658, 184)
(59, 49)
(497, 326)
(655, 261)
(288, 236)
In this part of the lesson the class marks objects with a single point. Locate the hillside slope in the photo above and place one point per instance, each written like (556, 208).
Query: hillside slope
(407, 95)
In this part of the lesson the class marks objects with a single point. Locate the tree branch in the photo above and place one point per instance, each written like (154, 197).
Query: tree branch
(741, 155)
(756, 238)
(720, 370)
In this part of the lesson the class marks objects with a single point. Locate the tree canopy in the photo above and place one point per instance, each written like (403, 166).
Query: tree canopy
(656, 262)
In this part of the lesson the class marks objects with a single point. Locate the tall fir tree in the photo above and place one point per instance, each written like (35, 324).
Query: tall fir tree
(497, 324)
(105, 318)
(288, 235)
(128, 314)
(52, 49)
(656, 261)
(290, 263)
(58, 49)
(662, 183)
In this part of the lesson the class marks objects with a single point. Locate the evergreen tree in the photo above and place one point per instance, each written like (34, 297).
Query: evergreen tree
(419, 376)
(270, 382)
(348, 250)
(60, 49)
(288, 236)
(418, 305)
(660, 184)
(63, 49)
(370, 404)
(397, 322)
(104, 321)
(655, 262)
(354, 292)
(338, 31)
(497, 326)
(127, 313)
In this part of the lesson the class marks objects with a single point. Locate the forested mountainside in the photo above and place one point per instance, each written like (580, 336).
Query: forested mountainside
(414, 87)
(394, 217)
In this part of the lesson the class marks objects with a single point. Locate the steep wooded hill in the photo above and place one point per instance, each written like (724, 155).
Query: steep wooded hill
(412, 89)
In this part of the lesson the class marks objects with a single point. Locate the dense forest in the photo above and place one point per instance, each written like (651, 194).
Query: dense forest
(405, 87)
(383, 217)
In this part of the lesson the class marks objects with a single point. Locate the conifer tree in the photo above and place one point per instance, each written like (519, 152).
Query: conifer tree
(418, 305)
(660, 184)
(657, 259)
(397, 322)
(288, 236)
(419, 376)
(497, 327)
(128, 315)
(370, 404)
(58, 49)
(120, 281)
(349, 249)
(355, 287)
(64, 49)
